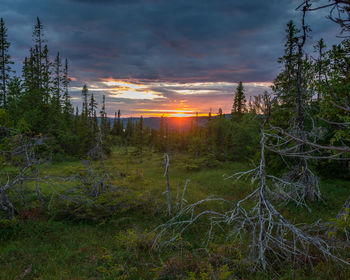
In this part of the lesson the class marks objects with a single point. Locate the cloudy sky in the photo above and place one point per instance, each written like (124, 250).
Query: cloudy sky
(154, 57)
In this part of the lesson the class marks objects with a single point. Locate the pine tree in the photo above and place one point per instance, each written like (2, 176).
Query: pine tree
(114, 128)
(84, 94)
(220, 114)
(119, 125)
(105, 128)
(129, 131)
(67, 105)
(239, 104)
(93, 123)
(285, 83)
(46, 76)
(56, 96)
(92, 106)
(38, 53)
(320, 67)
(5, 63)
(83, 125)
(37, 84)
(14, 97)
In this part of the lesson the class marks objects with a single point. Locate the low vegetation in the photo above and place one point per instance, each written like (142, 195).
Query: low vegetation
(71, 243)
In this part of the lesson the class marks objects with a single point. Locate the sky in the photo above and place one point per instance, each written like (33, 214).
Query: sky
(163, 57)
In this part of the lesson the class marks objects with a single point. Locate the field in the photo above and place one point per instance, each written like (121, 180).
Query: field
(118, 245)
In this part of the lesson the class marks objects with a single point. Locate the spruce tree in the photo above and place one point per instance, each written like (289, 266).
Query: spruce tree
(239, 104)
(93, 122)
(84, 94)
(36, 76)
(119, 125)
(56, 95)
(129, 131)
(92, 106)
(114, 128)
(46, 76)
(14, 98)
(83, 125)
(286, 82)
(5, 63)
(320, 68)
(38, 53)
(67, 105)
(105, 128)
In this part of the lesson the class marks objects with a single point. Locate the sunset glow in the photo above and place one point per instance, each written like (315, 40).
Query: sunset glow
(169, 99)
(169, 113)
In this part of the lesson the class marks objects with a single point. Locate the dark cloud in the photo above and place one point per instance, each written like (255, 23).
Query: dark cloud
(179, 40)
(182, 41)
(94, 1)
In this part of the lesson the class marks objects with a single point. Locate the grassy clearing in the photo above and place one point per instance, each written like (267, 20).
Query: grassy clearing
(46, 247)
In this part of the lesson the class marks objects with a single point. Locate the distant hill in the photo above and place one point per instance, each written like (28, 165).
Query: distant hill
(174, 123)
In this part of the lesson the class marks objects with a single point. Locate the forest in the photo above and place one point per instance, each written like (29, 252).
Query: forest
(260, 193)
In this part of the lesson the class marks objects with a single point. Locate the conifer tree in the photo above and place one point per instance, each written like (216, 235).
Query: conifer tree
(14, 98)
(92, 106)
(5, 63)
(114, 127)
(285, 83)
(320, 68)
(129, 131)
(220, 114)
(46, 76)
(84, 94)
(103, 114)
(119, 127)
(38, 53)
(105, 128)
(83, 124)
(67, 105)
(93, 123)
(56, 95)
(36, 76)
(239, 104)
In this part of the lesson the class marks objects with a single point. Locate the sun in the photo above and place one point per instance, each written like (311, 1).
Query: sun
(180, 115)
(168, 112)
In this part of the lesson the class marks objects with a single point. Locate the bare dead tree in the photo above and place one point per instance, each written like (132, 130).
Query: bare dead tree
(339, 11)
(23, 156)
(271, 236)
(98, 182)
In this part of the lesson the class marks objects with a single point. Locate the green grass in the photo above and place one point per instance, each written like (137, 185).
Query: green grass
(47, 247)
